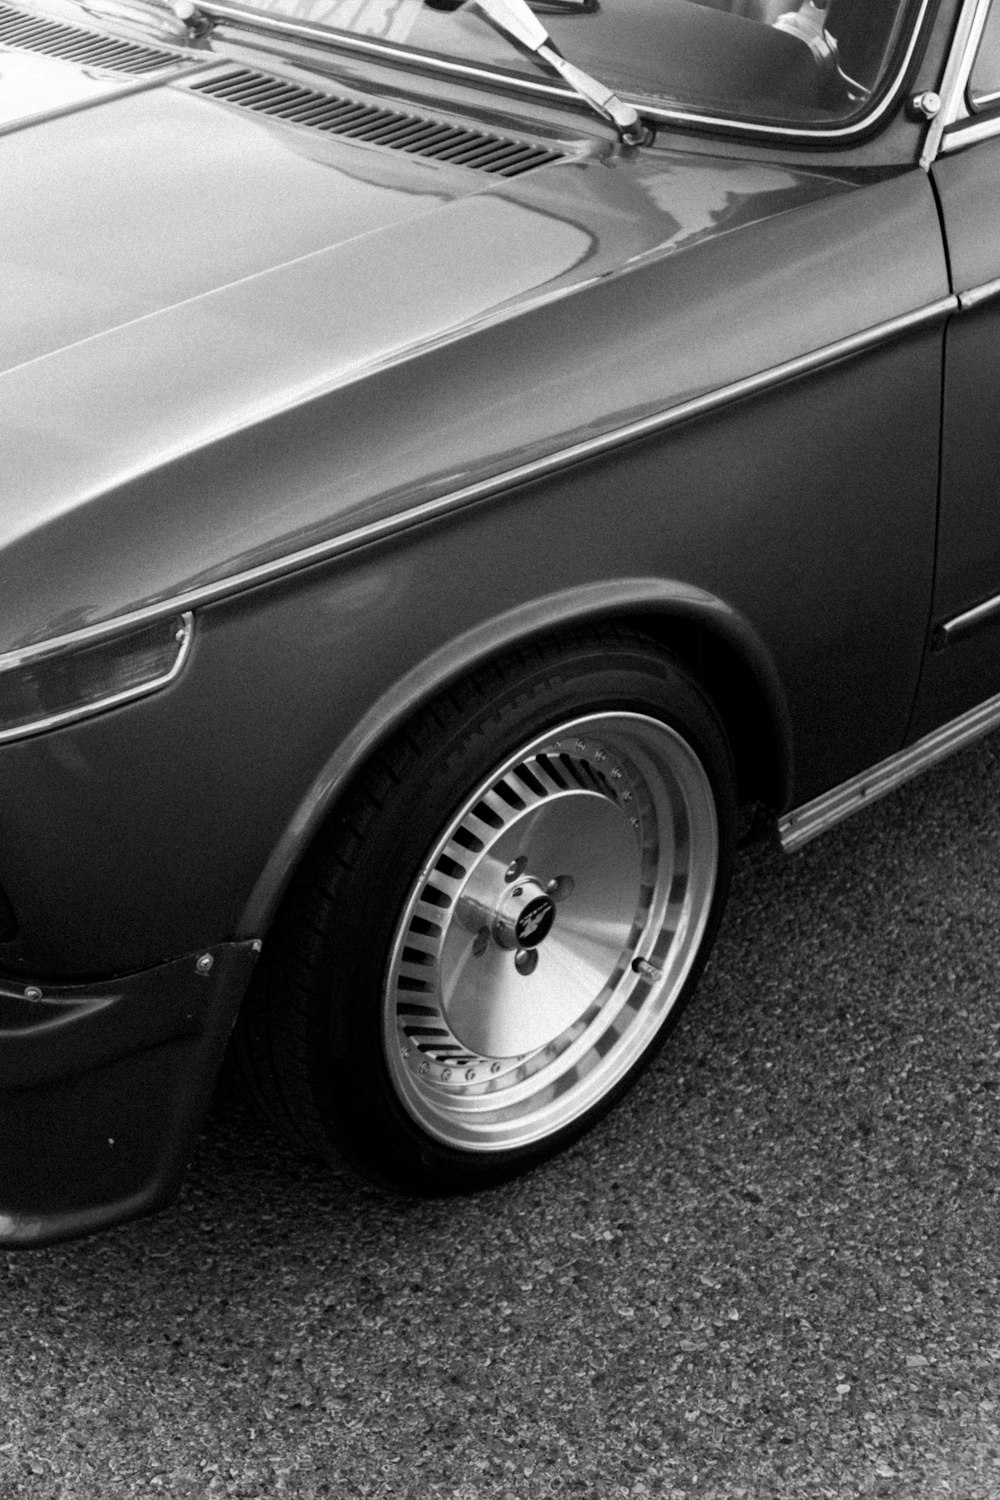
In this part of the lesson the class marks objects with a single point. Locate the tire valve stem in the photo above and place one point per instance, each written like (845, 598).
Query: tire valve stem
(647, 970)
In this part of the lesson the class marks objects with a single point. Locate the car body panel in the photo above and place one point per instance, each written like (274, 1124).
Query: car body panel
(376, 418)
(228, 460)
(206, 466)
(121, 211)
(968, 554)
(266, 699)
(35, 88)
(104, 1085)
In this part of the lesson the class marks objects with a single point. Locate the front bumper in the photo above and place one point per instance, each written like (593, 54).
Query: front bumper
(103, 1087)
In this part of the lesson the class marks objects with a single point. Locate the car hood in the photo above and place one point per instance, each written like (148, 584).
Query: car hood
(181, 276)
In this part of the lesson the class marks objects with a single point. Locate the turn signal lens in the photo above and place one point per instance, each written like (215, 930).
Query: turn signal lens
(40, 689)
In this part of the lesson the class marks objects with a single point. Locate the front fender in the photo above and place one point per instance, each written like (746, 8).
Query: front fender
(656, 600)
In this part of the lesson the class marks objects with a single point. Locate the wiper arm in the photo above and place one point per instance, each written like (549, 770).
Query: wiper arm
(183, 21)
(521, 25)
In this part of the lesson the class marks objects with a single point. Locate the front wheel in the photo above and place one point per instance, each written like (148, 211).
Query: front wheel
(500, 926)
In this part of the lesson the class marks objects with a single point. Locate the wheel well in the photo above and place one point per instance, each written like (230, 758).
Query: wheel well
(751, 719)
(745, 694)
(751, 715)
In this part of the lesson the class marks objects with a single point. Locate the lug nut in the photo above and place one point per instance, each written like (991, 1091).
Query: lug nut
(515, 868)
(526, 960)
(481, 942)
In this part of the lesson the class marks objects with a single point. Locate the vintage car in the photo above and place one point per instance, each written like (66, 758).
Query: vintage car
(464, 470)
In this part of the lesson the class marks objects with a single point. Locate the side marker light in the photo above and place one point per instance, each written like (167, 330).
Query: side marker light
(42, 688)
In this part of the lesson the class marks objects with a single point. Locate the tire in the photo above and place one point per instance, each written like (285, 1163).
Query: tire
(498, 928)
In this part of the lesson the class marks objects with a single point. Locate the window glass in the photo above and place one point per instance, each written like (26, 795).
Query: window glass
(984, 85)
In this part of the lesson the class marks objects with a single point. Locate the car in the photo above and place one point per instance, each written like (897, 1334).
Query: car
(466, 471)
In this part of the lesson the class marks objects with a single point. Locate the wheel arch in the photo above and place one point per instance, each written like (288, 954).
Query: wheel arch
(718, 646)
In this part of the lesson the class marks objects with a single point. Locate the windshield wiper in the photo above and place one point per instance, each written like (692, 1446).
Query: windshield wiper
(521, 25)
(183, 21)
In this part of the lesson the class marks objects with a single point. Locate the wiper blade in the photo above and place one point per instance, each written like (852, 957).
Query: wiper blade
(521, 25)
(564, 7)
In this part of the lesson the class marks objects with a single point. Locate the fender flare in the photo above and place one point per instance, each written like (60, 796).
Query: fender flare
(666, 599)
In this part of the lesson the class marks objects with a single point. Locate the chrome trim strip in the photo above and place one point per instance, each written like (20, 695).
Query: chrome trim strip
(484, 489)
(956, 75)
(977, 295)
(969, 134)
(969, 621)
(257, 20)
(813, 818)
(70, 715)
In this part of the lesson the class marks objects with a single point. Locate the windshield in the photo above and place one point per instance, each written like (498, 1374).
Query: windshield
(767, 61)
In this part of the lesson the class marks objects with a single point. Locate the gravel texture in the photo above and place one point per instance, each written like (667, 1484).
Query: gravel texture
(772, 1272)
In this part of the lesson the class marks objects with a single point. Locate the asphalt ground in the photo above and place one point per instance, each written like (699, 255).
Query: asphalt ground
(772, 1272)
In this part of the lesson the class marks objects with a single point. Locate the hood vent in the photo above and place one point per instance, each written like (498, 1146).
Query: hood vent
(381, 127)
(73, 44)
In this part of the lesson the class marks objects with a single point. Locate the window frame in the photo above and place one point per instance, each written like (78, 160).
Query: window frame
(956, 124)
(984, 102)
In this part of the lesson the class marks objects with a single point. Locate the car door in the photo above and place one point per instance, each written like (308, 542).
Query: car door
(963, 666)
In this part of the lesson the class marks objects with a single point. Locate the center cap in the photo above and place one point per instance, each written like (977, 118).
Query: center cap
(524, 916)
(535, 922)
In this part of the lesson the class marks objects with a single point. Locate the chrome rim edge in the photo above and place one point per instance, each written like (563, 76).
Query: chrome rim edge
(550, 932)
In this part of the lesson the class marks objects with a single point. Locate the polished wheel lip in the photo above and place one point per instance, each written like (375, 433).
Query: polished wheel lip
(663, 797)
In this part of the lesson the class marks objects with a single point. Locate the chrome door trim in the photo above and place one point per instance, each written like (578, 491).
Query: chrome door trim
(813, 818)
(967, 623)
(977, 295)
(483, 489)
(409, 57)
(969, 133)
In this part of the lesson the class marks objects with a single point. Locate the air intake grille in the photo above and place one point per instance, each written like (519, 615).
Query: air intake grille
(382, 127)
(73, 44)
